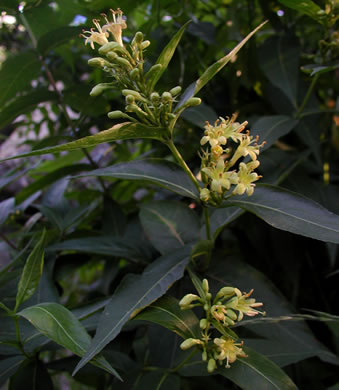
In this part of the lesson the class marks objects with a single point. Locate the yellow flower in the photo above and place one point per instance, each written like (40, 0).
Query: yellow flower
(248, 306)
(220, 178)
(218, 312)
(228, 350)
(99, 36)
(246, 178)
(116, 26)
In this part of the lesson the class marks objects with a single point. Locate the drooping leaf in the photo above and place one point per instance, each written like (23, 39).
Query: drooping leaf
(253, 372)
(121, 131)
(210, 72)
(6, 207)
(292, 212)
(166, 55)
(167, 313)
(31, 273)
(16, 74)
(279, 60)
(134, 293)
(60, 325)
(25, 103)
(271, 128)
(307, 7)
(157, 171)
(9, 366)
(169, 224)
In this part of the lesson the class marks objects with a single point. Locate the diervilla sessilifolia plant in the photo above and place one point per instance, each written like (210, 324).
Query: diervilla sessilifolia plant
(223, 172)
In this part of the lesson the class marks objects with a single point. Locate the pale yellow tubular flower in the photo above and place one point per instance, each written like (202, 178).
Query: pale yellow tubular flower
(218, 312)
(232, 129)
(116, 26)
(99, 37)
(228, 350)
(248, 306)
(246, 178)
(213, 135)
(220, 178)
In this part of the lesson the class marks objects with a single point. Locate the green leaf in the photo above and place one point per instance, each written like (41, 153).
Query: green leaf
(25, 103)
(6, 207)
(56, 38)
(222, 217)
(167, 313)
(210, 72)
(253, 372)
(9, 366)
(157, 171)
(166, 56)
(279, 60)
(271, 128)
(16, 74)
(60, 325)
(314, 69)
(134, 293)
(290, 211)
(159, 380)
(169, 224)
(126, 130)
(307, 7)
(199, 115)
(31, 273)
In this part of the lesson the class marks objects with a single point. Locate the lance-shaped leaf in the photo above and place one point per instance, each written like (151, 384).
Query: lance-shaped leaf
(126, 130)
(60, 325)
(9, 366)
(6, 207)
(166, 56)
(157, 171)
(134, 293)
(210, 72)
(253, 372)
(169, 224)
(31, 273)
(287, 210)
(167, 313)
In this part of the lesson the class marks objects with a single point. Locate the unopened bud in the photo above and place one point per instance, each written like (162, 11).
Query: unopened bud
(110, 46)
(138, 38)
(117, 114)
(205, 286)
(211, 366)
(203, 323)
(228, 320)
(97, 62)
(175, 91)
(231, 314)
(135, 74)
(226, 292)
(155, 97)
(194, 101)
(188, 299)
(204, 356)
(153, 71)
(129, 99)
(112, 55)
(123, 62)
(98, 89)
(189, 343)
(166, 97)
(205, 194)
(145, 44)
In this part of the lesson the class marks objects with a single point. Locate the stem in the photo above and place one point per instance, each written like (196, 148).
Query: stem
(182, 163)
(186, 360)
(307, 96)
(8, 241)
(18, 337)
(207, 223)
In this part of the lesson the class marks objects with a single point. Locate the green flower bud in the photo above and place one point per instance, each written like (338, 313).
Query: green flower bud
(211, 366)
(97, 62)
(129, 99)
(231, 314)
(205, 286)
(116, 114)
(166, 97)
(206, 307)
(175, 91)
(189, 343)
(194, 101)
(155, 97)
(229, 321)
(203, 323)
(98, 89)
(205, 194)
(135, 74)
(204, 356)
(145, 44)
(112, 55)
(134, 108)
(123, 62)
(225, 292)
(232, 303)
(138, 38)
(108, 47)
(188, 299)
(153, 71)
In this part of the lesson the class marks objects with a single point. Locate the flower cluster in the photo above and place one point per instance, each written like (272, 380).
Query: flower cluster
(218, 161)
(228, 306)
(126, 66)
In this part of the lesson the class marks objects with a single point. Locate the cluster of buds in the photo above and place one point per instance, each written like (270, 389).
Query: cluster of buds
(228, 307)
(219, 160)
(126, 66)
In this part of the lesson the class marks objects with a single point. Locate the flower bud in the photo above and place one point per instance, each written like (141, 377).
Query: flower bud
(205, 286)
(129, 99)
(98, 89)
(155, 97)
(204, 356)
(175, 91)
(116, 114)
(189, 343)
(225, 292)
(97, 62)
(112, 55)
(166, 97)
(135, 74)
(138, 38)
(123, 62)
(188, 299)
(228, 320)
(145, 44)
(194, 101)
(153, 71)
(231, 314)
(205, 194)
(203, 323)
(108, 47)
(211, 366)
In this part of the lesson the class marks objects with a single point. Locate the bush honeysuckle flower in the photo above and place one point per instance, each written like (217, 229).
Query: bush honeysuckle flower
(116, 26)
(228, 350)
(99, 37)
(246, 178)
(220, 177)
(216, 343)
